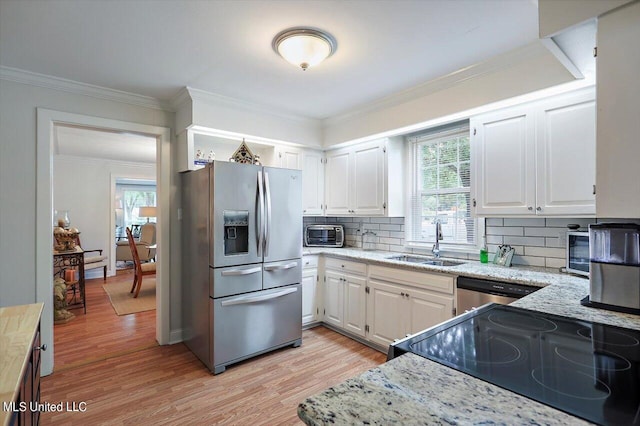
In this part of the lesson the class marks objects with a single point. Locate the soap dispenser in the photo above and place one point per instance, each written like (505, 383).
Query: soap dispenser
(484, 252)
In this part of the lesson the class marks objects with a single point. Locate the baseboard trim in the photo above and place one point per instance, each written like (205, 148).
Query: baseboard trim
(175, 336)
(359, 339)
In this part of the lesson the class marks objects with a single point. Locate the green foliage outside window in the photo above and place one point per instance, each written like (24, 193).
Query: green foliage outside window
(442, 187)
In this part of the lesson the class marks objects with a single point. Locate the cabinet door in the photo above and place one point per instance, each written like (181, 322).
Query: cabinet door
(618, 89)
(289, 157)
(309, 296)
(503, 152)
(566, 155)
(386, 305)
(338, 178)
(368, 179)
(355, 304)
(312, 183)
(426, 309)
(334, 299)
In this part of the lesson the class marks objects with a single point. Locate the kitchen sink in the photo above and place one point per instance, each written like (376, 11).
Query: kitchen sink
(424, 260)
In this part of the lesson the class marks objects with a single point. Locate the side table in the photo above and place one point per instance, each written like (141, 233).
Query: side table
(74, 259)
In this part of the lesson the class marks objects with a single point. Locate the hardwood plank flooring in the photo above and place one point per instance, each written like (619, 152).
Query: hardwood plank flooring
(114, 365)
(101, 333)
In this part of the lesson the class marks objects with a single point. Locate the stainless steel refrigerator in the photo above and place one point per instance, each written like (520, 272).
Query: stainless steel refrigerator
(241, 262)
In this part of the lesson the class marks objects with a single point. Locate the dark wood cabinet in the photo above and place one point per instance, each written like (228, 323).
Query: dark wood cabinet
(20, 370)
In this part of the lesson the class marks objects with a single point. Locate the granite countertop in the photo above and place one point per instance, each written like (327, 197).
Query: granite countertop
(413, 390)
(18, 325)
(538, 277)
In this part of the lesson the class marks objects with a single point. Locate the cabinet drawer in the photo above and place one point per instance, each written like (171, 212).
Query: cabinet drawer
(424, 280)
(346, 266)
(309, 262)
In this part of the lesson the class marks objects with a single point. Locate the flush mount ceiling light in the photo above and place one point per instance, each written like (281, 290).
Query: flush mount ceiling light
(304, 47)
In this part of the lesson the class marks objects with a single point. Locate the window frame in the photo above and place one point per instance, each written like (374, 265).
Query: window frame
(414, 193)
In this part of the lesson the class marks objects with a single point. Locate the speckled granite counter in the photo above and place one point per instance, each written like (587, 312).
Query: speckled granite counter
(530, 276)
(413, 390)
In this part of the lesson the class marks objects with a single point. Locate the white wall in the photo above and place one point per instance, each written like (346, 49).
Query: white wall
(554, 16)
(516, 73)
(83, 186)
(221, 113)
(20, 175)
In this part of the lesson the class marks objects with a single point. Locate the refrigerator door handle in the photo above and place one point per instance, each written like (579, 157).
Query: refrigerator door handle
(267, 228)
(260, 219)
(253, 299)
(237, 272)
(280, 267)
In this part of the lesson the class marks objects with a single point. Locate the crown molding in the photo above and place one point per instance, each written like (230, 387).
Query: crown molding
(56, 83)
(225, 101)
(180, 98)
(471, 72)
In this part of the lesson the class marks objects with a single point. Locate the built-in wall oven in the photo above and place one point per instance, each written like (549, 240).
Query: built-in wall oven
(474, 292)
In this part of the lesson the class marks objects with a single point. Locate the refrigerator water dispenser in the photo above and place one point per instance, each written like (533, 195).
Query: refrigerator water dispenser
(236, 232)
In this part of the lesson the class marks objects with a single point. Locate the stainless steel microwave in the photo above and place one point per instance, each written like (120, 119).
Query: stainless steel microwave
(324, 236)
(578, 252)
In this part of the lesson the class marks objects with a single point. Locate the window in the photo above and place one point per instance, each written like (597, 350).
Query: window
(441, 188)
(129, 198)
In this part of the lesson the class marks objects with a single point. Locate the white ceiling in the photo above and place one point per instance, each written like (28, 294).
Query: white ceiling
(224, 46)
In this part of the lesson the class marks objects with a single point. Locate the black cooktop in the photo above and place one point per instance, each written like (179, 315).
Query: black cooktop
(586, 369)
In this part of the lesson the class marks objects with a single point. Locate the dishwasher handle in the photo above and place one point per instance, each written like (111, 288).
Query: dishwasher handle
(497, 288)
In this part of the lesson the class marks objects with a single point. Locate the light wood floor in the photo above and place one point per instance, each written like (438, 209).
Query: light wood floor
(131, 384)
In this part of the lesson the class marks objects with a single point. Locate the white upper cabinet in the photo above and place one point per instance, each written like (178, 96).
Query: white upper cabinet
(537, 158)
(618, 87)
(365, 179)
(502, 152)
(566, 155)
(289, 157)
(338, 173)
(312, 183)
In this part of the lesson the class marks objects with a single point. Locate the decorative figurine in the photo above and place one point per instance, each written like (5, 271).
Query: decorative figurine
(60, 313)
(243, 154)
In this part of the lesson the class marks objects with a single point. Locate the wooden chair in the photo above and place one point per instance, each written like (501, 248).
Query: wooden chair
(140, 269)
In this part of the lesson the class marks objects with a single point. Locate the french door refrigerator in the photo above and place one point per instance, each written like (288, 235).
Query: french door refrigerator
(241, 261)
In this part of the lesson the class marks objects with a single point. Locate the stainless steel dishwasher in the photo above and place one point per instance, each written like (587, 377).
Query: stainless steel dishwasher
(474, 292)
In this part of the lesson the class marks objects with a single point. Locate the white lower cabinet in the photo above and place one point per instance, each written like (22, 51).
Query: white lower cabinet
(311, 290)
(385, 312)
(333, 299)
(345, 295)
(402, 302)
(382, 304)
(355, 311)
(310, 296)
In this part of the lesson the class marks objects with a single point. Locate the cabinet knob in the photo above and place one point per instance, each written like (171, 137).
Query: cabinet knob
(407, 294)
(402, 294)
(539, 209)
(342, 266)
(41, 348)
(529, 208)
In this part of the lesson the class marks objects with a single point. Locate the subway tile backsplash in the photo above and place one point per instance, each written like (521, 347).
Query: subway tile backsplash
(537, 241)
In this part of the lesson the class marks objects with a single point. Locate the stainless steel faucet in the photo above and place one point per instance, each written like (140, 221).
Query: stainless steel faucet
(436, 247)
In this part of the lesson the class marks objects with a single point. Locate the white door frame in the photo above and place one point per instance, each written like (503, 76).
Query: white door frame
(46, 121)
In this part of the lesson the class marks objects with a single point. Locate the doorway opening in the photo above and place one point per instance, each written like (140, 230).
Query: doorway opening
(49, 122)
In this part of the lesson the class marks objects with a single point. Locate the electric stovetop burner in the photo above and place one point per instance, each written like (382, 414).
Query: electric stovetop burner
(586, 369)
